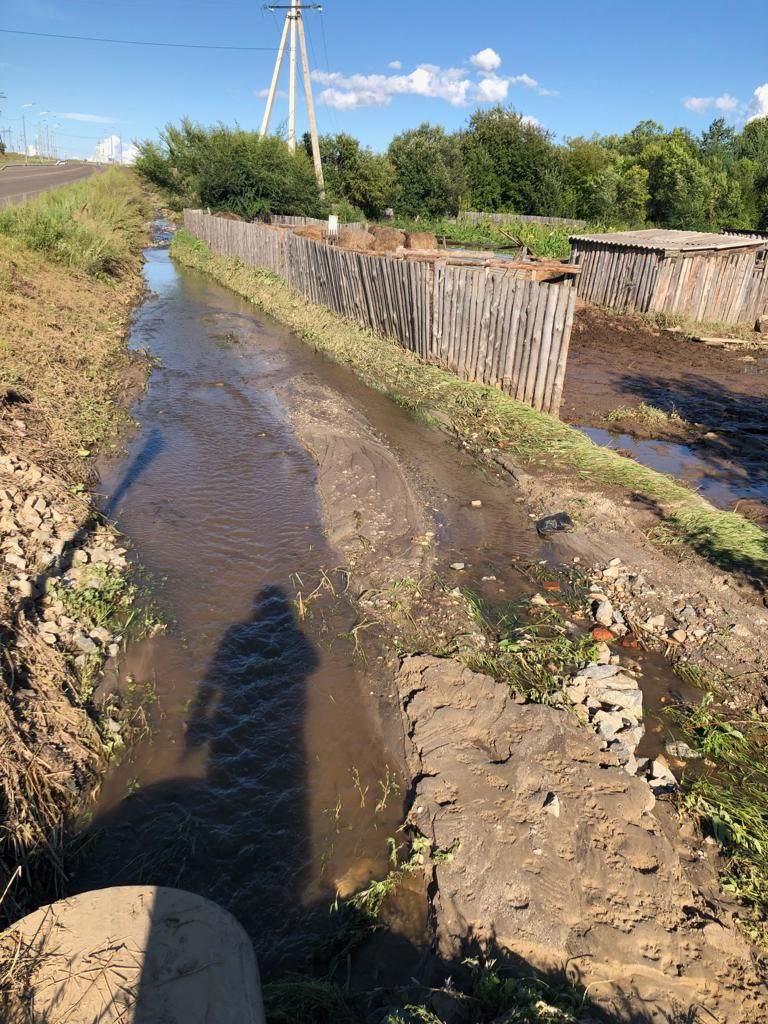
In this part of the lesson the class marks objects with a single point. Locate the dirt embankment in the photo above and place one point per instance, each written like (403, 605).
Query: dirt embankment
(548, 850)
(65, 377)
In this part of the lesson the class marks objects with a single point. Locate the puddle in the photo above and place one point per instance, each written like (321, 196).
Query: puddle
(711, 472)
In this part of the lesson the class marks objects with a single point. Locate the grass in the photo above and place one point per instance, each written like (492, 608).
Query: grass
(649, 416)
(484, 419)
(94, 225)
(542, 239)
(729, 795)
(699, 328)
(62, 330)
(531, 647)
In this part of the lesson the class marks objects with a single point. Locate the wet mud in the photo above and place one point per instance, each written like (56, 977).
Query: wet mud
(721, 394)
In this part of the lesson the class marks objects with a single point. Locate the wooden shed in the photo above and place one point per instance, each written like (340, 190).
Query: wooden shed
(702, 275)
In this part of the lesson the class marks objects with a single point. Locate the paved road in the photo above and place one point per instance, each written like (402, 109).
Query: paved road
(19, 182)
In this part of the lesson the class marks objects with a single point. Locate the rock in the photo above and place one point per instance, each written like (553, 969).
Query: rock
(762, 324)
(113, 650)
(678, 635)
(603, 614)
(17, 561)
(687, 614)
(614, 562)
(559, 522)
(477, 504)
(608, 724)
(576, 692)
(603, 654)
(595, 671)
(633, 735)
(80, 557)
(624, 755)
(552, 804)
(458, 566)
(101, 634)
(680, 750)
(84, 643)
(661, 776)
(601, 634)
(539, 601)
(26, 588)
(628, 701)
(655, 623)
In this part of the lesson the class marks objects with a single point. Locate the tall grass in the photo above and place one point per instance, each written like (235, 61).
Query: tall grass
(93, 225)
(543, 240)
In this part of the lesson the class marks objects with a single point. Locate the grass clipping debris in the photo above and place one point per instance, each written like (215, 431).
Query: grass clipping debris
(484, 418)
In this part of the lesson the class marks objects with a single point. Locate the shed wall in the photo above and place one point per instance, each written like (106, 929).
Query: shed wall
(730, 286)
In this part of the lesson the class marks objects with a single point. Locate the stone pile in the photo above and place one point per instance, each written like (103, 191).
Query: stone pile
(622, 602)
(43, 552)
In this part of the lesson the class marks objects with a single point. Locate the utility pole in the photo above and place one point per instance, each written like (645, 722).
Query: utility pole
(294, 23)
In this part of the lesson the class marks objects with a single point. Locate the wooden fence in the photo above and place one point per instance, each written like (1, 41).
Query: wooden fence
(728, 285)
(505, 323)
(476, 217)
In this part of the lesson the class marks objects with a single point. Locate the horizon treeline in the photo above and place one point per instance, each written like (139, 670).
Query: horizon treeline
(499, 162)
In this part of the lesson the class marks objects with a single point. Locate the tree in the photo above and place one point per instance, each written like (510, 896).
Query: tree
(428, 172)
(355, 175)
(510, 163)
(719, 144)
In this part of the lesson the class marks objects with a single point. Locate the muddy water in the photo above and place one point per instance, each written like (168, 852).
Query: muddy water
(259, 782)
(711, 470)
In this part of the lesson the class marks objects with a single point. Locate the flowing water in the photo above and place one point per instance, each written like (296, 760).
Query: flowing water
(259, 782)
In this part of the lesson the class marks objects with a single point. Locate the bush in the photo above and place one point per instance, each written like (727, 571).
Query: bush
(232, 170)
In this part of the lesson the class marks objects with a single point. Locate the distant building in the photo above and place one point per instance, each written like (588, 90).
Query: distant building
(698, 274)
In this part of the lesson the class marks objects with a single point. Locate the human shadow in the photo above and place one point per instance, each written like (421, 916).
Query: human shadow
(238, 835)
(139, 464)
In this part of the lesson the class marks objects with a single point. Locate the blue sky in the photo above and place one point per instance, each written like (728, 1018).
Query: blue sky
(380, 67)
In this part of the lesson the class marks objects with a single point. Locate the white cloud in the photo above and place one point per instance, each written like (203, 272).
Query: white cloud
(396, 65)
(700, 104)
(113, 150)
(491, 89)
(90, 118)
(453, 85)
(263, 93)
(486, 60)
(530, 119)
(759, 105)
(348, 92)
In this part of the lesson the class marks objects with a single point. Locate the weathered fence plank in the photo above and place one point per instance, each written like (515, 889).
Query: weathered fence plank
(489, 322)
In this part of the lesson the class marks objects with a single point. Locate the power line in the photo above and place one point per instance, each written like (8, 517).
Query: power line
(137, 42)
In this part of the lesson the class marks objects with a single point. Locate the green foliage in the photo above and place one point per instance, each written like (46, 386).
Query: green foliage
(94, 225)
(355, 176)
(730, 796)
(500, 161)
(103, 599)
(302, 1000)
(429, 172)
(229, 169)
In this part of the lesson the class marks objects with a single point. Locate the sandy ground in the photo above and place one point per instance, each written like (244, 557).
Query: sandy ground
(610, 881)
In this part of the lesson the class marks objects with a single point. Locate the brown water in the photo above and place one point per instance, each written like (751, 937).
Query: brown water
(246, 790)
(259, 782)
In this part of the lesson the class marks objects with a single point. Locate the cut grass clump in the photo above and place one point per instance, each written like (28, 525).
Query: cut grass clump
(485, 419)
(94, 225)
(649, 416)
(531, 647)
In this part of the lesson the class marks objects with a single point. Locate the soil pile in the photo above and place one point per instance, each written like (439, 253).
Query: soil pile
(560, 856)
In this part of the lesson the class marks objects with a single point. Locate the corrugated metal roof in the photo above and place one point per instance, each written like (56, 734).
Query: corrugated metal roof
(658, 240)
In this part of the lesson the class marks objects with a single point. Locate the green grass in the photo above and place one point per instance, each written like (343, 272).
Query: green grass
(485, 419)
(542, 239)
(728, 792)
(92, 225)
(649, 416)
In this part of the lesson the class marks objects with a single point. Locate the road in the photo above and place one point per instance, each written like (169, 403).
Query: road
(19, 181)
